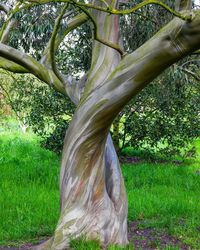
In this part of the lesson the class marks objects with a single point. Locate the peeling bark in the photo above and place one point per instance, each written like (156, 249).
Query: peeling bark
(93, 199)
(92, 194)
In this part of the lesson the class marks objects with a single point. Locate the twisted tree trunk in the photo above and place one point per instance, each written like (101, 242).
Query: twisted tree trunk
(95, 203)
(93, 199)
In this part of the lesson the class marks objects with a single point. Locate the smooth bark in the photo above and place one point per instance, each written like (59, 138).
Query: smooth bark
(92, 194)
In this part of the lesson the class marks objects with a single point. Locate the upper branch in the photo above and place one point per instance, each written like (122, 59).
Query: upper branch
(96, 35)
(173, 42)
(9, 22)
(72, 87)
(52, 50)
(72, 24)
(112, 10)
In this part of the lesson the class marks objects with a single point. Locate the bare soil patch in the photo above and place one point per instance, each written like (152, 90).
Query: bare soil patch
(142, 239)
(152, 239)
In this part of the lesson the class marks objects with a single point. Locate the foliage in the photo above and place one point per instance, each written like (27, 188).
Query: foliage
(142, 25)
(164, 117)
(74, 54)
(152, 120)
(45, 110)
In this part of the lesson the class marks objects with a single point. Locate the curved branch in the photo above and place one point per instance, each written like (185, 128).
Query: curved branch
(6, 25)
(72, 87)
(52, 49)
(111, 10)
(18, 62)
(73, 24)
(11, 66)
(29, 64)
(6, 31)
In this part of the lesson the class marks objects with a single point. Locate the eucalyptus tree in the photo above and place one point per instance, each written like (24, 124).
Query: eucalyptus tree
(93, 200)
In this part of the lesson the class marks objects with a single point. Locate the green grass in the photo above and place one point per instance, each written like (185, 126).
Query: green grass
(83, 244)
(29, 199)
(166, 197)
(161, 196)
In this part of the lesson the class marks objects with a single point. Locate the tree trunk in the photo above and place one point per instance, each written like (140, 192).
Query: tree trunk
(93, 199)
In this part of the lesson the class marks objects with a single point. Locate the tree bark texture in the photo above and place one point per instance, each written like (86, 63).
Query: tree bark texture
(96, 204)
(92, 195)
(93, 198)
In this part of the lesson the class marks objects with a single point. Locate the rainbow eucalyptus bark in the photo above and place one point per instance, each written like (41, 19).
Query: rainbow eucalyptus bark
(92, 194)
(93, 199)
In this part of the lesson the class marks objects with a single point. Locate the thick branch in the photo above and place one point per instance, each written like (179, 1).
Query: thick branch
(11, 66)
(24, 62)
(175, 41)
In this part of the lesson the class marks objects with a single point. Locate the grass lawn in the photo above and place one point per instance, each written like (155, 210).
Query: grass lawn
(162, 197)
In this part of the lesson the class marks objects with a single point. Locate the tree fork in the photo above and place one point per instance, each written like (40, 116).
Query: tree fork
(93, 199)
(83, 165)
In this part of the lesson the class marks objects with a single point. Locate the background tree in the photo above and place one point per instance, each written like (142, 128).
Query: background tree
(155, 127)
(164, 117)
(46, 111)
(93, 199)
